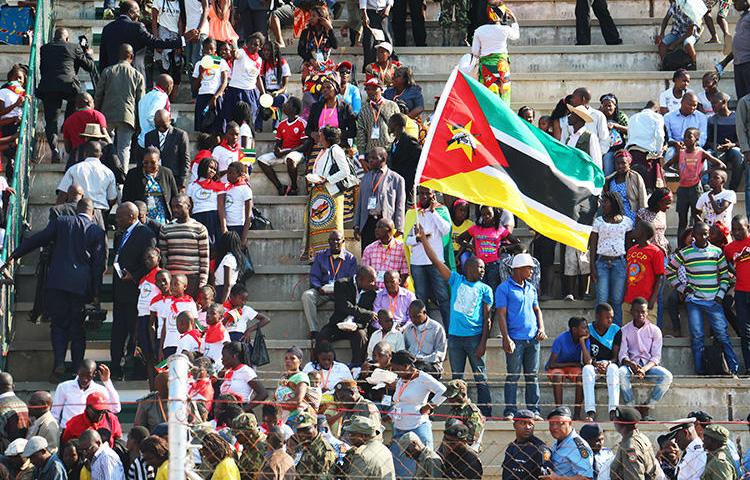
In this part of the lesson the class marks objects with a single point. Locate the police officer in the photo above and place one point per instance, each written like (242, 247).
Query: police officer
(719, 463)
(371, 459)
(693, 460)
(702, 420)
(463, 409)
(594, 436)
(527, 456)
(429, 463)
(634, 457)
(313, 455)
(571, 455)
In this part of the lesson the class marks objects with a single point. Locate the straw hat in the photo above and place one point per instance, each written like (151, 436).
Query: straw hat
(94, 130)
(580, 112)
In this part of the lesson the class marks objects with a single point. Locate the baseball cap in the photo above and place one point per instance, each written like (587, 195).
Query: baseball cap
(523, 260)
(97, 401)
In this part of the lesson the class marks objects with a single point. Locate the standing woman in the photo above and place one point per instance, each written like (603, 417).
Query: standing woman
(617, 123)
(490, 46)
(204, 193)
(607, 246)
(416, 395)
(245, 84)
(627, 183)
(655, 213)
(325, 206)
(152, 184)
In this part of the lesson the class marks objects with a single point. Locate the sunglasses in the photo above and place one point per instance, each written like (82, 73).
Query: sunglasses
(345, 72)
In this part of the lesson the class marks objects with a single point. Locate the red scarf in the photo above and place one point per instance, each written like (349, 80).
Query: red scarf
(200, 156)
(176, 300)
(251, 56)
(195, 333)
(228, 306)
(213, 185)
(234, 149)
(230, 373)
(215, 333)
(240, 181)
(204, 389)
(159, 298)
(150, 276)
(167, 107)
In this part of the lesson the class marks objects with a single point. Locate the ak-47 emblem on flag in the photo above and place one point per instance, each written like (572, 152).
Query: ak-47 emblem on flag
(479, 150)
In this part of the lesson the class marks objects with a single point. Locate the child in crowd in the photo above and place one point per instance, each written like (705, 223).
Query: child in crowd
(229, 150)
(645, 270)
(220, 22)
(719, 236)
(710, 88)
(291, 143)
(716, 205)
(275, 74)
(690, 162)
(215, 336)
(205, 297)
(165, 24)
(147, 291)
(239, 315)
(315, 392)
(204, 194)
(229, 254)
(235, 204)
(245, 84)
(461, 223)
(201, 388)
(272, 417)
(210, 83)
(179, 302)
(388, 332)
(545, 124)
(243, 116)
(159, 311)
(570, 351)
(527, 113)
(206, 143)
(671, 98)
(190, 337)
(12, 96)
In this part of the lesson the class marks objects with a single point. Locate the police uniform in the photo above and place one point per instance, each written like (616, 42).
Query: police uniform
(527, 460)
(313, 459)
(693, 461)
(372, 460)
(573, 456)
(719, 463)
(634, 457)
(467, 411)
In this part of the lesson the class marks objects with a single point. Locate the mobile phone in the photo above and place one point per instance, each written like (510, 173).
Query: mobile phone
(83, 41)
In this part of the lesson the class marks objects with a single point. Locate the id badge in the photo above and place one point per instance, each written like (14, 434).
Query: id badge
(372, 203)
(386, 400)
(319, 56)
(375, 132)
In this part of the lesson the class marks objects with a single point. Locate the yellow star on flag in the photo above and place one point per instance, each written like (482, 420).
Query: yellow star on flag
(462, 139)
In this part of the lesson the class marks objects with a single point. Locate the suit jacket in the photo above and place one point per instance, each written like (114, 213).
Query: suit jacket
(118, 92)
(391, 197)
(130, 258)
(403, 157)
(135, 186)
(79, 257)
(124, 30)
(175, 154)
(62, 210)
(347, 120)
(345, 303)
(59, 61)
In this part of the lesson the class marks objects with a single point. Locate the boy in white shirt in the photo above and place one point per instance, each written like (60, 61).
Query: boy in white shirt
(239, 315)
(179, 302)
(235, 204)
(215, 336)
(147, 291)
(717, 204)
(387, 332)
(190, 337)
(159, 310)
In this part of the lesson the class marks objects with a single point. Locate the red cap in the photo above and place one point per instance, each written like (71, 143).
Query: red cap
(345, 64)
(97, 401)
(373, 82)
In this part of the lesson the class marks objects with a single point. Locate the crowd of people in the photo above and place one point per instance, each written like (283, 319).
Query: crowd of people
(434, 279)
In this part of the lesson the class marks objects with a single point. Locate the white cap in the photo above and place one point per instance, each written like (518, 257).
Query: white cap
(385, 46)
(523, 260)
(34, 445)
(16, 447)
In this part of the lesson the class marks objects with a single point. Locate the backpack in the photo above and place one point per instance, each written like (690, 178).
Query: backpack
(714, 362)
(677, 59)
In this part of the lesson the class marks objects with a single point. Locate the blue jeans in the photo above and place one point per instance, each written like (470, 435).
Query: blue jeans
(718, 322)
(461, 348)
(525, 357)
(492, 275)
(608, 163)
(610, 284)
(658, 375)
(405, 466)
(742, 305)
(429, 284)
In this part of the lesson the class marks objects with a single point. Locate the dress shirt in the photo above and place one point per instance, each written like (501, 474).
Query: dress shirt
(394, 338)
(598, 127)
(641, 345)
(433, 225)
(106, 464)
(693, 461)
(398, 306)
(383, 258)
(331, 377)
(426, 342)
(70, 399)
(595, 151)
(573, 456)
(646, 130)
(677, 123)
(96, 180)
(326, 269)
(147, 107)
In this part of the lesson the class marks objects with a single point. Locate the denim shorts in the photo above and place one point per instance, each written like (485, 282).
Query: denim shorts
(670, 38)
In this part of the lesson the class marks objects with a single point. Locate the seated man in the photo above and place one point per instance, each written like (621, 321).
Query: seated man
(394, 298)
(331, 264)
(570, 352)
(605, 338)
(381, 360)
(386, 252)
(353, 300)
(678, 121)
(96, 416)
(640, 355)
(425, 339)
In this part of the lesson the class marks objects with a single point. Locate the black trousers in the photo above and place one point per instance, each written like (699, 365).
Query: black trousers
(52, 103)
(417, 22)
(253, 21)
(377, 22)
(65, 310)
(357, 340)
(742, 79)
(124, 329)
(583, 22)
(367, 235)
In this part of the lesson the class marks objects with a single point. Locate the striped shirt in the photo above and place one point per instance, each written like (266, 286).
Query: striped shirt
(139, 470)
(706, 272)
(184, 248)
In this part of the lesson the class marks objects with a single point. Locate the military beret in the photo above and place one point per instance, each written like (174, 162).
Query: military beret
(524, 414)
(627, 414)
(455, 388)
(717, 432)
(560, 412)
(701, 416)
(459, 431)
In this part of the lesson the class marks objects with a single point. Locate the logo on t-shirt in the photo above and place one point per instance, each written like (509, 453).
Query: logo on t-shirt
(636, 267)
(466, 300)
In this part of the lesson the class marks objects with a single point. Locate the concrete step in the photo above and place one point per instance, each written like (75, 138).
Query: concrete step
(13, 54)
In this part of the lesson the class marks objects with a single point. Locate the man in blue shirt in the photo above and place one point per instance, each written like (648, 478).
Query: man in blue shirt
(520, 320)
(468, 329)
(570, 351)
(687, 116)
(571, 455)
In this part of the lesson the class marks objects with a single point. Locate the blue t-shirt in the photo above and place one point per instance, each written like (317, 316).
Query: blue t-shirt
(466, 305)
(519, 302)
(567, 350)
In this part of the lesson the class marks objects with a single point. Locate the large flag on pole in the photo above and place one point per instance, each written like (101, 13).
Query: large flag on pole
(478, 149)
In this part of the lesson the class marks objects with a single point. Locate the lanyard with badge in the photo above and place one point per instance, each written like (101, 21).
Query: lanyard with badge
(318, 41)
(396, 411)
(420, 341)
(332, 274)
(372, 202)
(325, 379)
(375, 132)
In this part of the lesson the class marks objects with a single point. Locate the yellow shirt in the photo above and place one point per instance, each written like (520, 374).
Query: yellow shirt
(86, 474)
(163, 471)
(226, 470)
(458, 230)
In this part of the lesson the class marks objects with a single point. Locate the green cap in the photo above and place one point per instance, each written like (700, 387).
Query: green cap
(305, 420)
(245, 421)
(364, 425)
(455, 388)
(717, 432)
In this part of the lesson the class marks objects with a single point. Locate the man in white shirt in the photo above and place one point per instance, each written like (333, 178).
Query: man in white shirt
(581, 136)
(70, 396)
(693, 460)
(645, 143)
(427, 280)
(425, 339)
(98, 182)
(104, 462)
(155, 100)
(597, 124)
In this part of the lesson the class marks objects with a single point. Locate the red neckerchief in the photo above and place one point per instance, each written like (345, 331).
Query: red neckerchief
(150, 276)
(210, 184)
(228, 306)
(251, 56)
(240, 181)
(159, 298)
(230, 373)
(215, 333)
(203, 388)
(176, 300)
(234, 149)
(158, 88)
(195, 333)
(200, 156)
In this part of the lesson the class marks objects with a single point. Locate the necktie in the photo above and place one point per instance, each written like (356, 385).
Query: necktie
(125, 237)
(162, 139)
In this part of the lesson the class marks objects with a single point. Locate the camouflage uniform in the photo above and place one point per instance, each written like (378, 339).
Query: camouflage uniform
(314, 459)
(634, 458)
(454, 20)
(719, 463)
(361, 408)
(373, 461)
(467, 412)
(253, 441)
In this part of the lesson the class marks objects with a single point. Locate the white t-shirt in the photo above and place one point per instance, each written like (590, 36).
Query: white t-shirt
(237, 382)
(409, 397)
(329, 378)
(241, 320)
(245, 132)
(271, 82)
(169, 14)
(493, 38)
(9, 97)
(234, 203)
(704, 204)
(204, 199)
(193, 13)
(669, 101)
(225, 156)
(213, 350)
(3, 187)
(147, 291)
(708, 109)
(211, 77)
(187, 343)
(161, 306)
(228, 261)
(245, 70)
(172, 336)
(611, 236)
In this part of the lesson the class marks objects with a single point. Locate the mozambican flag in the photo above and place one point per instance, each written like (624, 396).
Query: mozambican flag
(479, 150)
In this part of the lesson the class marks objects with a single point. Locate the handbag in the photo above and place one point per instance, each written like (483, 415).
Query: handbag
(351, 180)
(260, 222)
(259, 354)
(208, 120)
(246, 268)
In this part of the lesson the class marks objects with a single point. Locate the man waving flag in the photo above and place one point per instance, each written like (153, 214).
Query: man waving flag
(480, 150)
